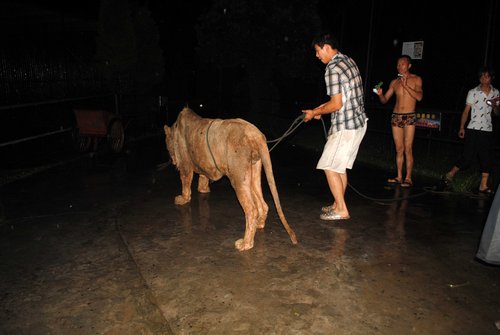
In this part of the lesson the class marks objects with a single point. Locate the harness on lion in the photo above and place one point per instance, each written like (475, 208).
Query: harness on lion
(296, 123)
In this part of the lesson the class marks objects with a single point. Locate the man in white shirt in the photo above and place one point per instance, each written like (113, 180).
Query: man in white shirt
(479, 140)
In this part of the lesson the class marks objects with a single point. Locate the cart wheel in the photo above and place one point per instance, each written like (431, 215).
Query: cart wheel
(82, 142)
(116, 135)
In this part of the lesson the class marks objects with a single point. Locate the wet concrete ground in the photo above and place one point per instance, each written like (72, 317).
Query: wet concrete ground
(98, 247)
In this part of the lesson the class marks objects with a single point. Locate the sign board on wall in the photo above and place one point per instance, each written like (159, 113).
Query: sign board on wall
(413, 49)
(428, 120)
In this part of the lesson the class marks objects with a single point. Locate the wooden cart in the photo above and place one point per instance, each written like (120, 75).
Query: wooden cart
(95, 125)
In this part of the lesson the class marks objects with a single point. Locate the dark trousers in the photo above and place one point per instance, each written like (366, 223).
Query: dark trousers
(478, 144)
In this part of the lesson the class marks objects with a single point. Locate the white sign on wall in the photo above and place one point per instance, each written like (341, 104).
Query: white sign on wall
(413, 49)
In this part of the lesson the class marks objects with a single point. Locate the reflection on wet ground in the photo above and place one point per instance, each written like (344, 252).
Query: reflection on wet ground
(101, 248)
(395, 242)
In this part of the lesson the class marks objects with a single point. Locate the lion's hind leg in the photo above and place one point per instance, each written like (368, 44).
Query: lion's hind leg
(244, 194)
(257, 196)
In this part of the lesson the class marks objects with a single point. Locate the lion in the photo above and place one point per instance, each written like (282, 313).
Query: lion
(235, 148)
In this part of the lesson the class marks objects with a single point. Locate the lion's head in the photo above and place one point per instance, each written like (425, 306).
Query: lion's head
(169, 141)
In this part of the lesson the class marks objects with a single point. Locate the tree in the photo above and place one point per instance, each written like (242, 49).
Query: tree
(128, 47)
(267, 39)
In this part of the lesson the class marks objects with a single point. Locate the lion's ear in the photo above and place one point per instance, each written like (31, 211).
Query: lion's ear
(166, 129)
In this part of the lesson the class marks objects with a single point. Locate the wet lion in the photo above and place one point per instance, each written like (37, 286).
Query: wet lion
(235, 148)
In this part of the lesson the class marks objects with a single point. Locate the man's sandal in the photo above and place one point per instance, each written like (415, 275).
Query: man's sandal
(487, 191)
(394, 181)
(407, 183)
(326, 209)
(333, 216)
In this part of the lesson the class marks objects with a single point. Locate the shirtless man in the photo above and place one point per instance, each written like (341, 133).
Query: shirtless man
(408, 90)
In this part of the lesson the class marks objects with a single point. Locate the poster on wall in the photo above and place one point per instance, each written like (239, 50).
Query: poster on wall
(413, 49)
(428, 120)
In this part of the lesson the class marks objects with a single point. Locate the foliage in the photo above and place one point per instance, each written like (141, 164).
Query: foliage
(267, 45)
(128, 47)
(240, 32)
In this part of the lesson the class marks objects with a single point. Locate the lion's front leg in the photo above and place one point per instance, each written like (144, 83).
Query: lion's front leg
(203, 184)
(185, 197)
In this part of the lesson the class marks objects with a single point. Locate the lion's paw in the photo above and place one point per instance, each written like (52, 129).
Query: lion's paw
(180, 200)
(261, 224)
(241, 246)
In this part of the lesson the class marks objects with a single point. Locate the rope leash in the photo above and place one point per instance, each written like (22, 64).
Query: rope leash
(298, 121)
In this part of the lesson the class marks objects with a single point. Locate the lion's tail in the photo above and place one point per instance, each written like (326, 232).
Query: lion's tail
(268, 169)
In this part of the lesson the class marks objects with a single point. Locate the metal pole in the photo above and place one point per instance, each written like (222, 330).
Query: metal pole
(489, 30)
(50, 102)
(63, 130)
(117, 105)
(369, 48)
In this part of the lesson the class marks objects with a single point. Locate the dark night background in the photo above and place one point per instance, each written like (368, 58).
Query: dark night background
(238, 58)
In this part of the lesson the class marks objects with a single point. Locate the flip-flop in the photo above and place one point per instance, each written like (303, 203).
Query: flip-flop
(327, 209)
(333, 216)
(394, 181)
(487, 191)
(407, 183)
